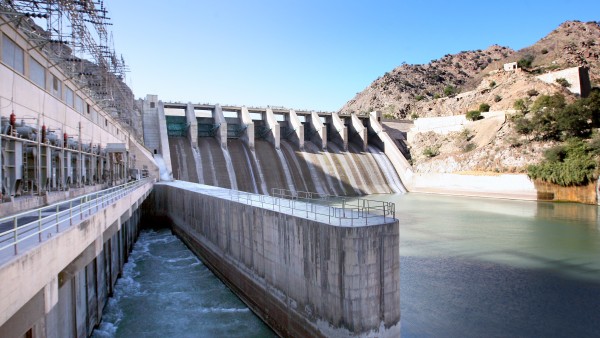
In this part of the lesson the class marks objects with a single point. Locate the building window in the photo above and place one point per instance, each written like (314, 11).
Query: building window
(56, 87)
(151, 104)
(37, 73)
(78, 104)
(69, 97)
(13, 55)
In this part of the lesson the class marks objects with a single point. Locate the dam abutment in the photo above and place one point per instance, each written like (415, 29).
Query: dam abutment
(303, 277)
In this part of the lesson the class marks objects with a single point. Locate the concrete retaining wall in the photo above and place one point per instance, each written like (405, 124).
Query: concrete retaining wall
(578, 78)
(59, 288)
(512, 186)
(302, 277)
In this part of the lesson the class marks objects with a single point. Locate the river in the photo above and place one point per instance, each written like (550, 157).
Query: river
(470, 267)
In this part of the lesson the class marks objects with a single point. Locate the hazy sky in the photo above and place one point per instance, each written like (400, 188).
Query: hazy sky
(309, 54)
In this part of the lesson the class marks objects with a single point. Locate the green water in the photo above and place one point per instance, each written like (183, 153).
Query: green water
(473, 267)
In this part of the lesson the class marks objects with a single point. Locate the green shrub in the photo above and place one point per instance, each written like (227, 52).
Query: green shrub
(432, 151)
(419, 97)
(497, 98)
(521, 105)
(484, 107)
(572, 165)
(532, 92)
(526, 61)
(436, 96)
(450, 90)
(544, 51)
(414, 116)
(563, 82)
(492, 84)
(523, 125)
(473, 115)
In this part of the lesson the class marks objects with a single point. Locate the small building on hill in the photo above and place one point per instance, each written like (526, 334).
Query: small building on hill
(510, 66)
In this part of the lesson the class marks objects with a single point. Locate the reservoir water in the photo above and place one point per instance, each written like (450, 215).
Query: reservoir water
(470, 267)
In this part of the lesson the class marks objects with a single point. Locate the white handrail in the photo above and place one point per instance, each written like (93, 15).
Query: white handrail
(34, 222)
(314, 206)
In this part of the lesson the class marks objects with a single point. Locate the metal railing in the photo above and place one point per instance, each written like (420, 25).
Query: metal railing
(324, 208)
(20, 230)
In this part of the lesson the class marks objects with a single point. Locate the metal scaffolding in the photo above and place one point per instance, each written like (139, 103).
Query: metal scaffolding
(75, 37)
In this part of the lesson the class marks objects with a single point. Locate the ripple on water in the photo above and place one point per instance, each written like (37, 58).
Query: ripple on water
(165, 290)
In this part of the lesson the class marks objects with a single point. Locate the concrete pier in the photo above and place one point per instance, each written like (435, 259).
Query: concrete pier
(304, 277)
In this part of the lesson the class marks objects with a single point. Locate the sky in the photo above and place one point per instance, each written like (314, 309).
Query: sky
(305, 54)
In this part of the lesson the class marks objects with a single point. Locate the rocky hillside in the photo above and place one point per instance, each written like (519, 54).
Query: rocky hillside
(419, 90)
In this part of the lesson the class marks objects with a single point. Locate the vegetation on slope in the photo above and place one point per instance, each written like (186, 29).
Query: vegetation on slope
(574, 160)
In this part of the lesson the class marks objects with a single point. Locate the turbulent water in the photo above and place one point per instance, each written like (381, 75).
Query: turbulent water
(165, 291)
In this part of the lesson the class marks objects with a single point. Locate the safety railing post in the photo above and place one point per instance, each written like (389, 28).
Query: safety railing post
(57, 218)
(16, 236)
(40, 224)
(70, 212)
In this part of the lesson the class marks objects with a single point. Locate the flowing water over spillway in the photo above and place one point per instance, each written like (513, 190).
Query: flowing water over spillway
(327, 172)
(165, 291)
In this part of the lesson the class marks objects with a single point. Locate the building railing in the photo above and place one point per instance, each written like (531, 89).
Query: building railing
(325, 208)
(26, 228)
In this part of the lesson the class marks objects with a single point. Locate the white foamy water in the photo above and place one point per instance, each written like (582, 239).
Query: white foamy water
(230, 170)
(388, 170)
(250, 167)
(286, 170)
(166, 291)
(263, 184)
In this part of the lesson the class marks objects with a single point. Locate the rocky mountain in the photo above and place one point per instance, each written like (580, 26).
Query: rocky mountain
(423, 90)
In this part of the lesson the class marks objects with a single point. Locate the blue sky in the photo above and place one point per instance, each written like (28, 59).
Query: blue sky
(309, 54)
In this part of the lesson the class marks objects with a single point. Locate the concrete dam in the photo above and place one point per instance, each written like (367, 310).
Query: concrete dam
(78, 180)
(259, 149)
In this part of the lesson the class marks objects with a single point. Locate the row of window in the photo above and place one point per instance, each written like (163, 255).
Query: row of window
(14, 57)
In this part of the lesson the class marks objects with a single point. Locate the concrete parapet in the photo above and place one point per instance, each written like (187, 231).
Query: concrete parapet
(319, 137)
(274, 129)
(339, 131)
(248, 136)
(305, 278)
(192, 122)
(358, 132)
(298, 129)
(403, 168)
(221, 134)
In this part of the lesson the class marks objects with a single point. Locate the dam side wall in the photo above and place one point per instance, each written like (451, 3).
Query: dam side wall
(304, 278)
(60, 287)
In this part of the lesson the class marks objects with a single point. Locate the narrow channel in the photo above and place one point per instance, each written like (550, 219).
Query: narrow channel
(166, 291)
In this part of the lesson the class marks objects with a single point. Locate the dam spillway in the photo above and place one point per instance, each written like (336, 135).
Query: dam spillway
(257, 150)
